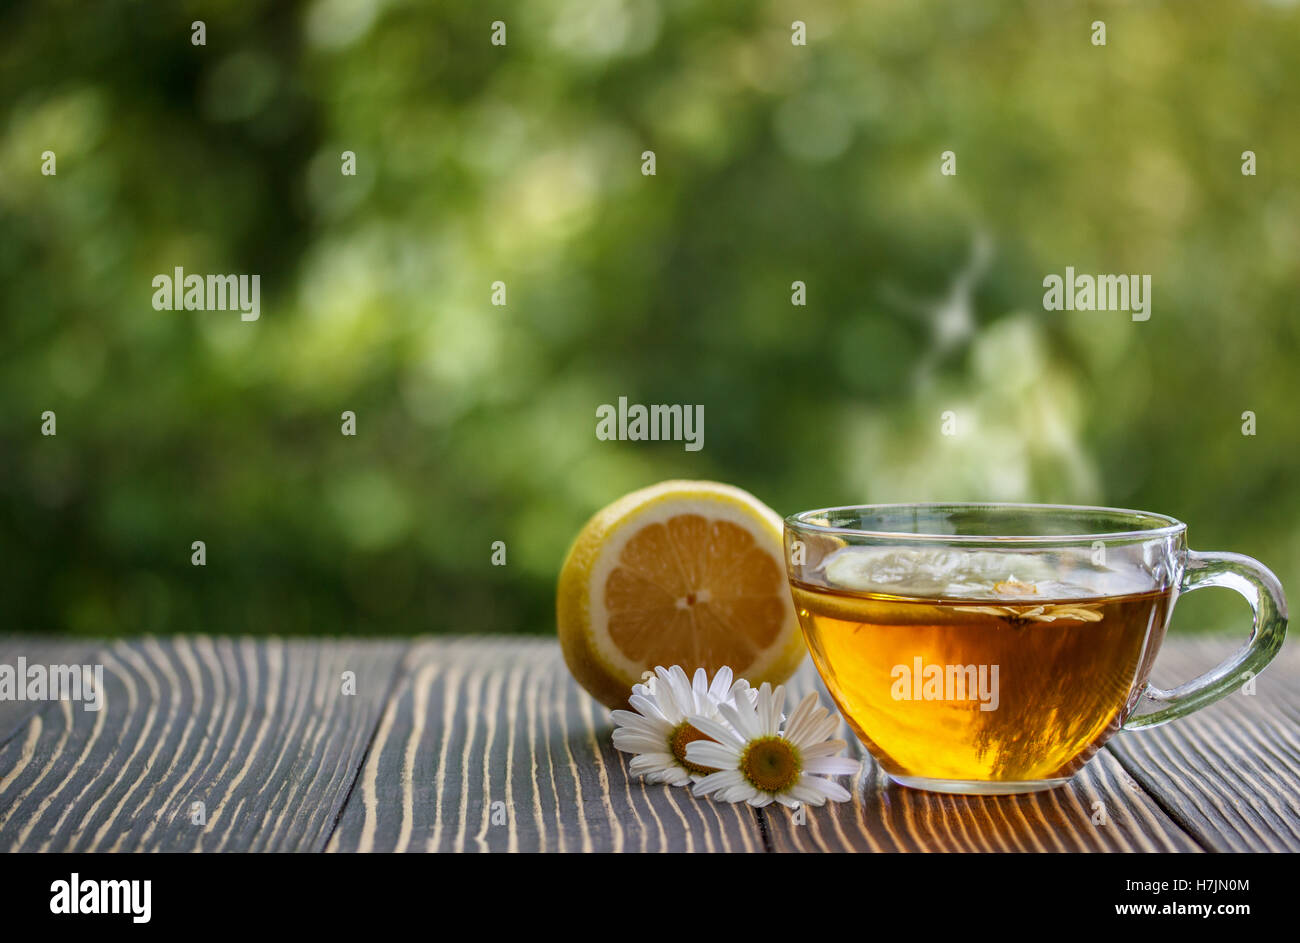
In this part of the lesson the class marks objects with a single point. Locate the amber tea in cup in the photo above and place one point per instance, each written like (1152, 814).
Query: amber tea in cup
(995, 648)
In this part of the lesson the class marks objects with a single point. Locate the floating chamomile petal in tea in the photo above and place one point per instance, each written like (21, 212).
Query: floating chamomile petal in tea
(972, 574)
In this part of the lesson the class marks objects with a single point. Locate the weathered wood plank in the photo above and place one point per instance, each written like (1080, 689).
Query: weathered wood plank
(259, 731)
(37, 650)
(883, 816)
(1229, 773)
(489, 745)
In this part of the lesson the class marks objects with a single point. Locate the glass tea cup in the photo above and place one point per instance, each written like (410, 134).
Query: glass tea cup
(993, 648)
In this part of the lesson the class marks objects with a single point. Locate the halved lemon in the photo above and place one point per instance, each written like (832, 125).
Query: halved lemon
(688, 573)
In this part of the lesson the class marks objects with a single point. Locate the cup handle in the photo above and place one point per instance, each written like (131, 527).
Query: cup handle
(1262, 590)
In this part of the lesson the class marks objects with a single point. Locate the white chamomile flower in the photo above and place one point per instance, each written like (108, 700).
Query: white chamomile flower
(758, 763)
(657, 731)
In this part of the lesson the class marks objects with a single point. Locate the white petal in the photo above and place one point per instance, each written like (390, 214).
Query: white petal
(637, 743)
(715, 755)
(721, 683)
(716, 781)
(815, 731)
(740, 793)
(743, 719)
(831, 766)
(673, 777)
(740, 689)
(807, 795)
(815, 790)
(664, 700)
(699, 690)
(800, 718)
(825, 748)
(718, 731)
(626, 720)
(681, 686)
(762, 708)
(772, 722)
(650, 707)
(627, 734)
(648, 762)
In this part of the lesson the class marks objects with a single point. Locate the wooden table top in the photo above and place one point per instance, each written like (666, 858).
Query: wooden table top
(486, 744)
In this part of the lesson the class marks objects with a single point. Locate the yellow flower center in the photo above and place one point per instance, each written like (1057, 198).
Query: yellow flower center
(771, 764)
(681, 735)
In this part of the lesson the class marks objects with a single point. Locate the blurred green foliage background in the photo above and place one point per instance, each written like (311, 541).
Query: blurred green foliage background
(522, 163)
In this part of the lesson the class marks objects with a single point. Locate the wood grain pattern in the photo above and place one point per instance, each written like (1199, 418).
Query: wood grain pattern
(258, 731)
(1229, 773)
(488, 745)
(1101, 809)
(479, 727)
(15, 714)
